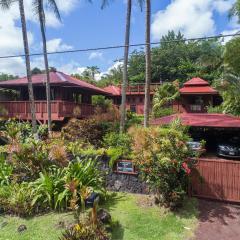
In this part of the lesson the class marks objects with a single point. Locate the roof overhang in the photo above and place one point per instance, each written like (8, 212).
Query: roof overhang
(200, 120)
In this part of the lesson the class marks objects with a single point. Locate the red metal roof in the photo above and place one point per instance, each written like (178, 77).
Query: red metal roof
(201, 120)
(56, 78)
(114, 90)
(197, 86)
(196, 82)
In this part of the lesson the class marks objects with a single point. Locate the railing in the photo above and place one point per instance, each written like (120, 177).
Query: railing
(140, 87)
(59, 109)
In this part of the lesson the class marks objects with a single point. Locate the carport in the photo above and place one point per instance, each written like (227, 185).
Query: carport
(212, 177)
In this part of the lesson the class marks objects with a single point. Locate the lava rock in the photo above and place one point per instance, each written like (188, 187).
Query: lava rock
(22, 228)
(104, 216)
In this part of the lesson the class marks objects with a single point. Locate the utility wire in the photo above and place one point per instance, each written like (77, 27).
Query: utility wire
(123, 46)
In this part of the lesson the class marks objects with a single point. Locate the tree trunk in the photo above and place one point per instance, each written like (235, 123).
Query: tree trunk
(125, 66)
(148, 64)
(48, 87)
(28, 66)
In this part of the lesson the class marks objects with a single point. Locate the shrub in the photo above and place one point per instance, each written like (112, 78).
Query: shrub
(118, 146)
(16, 199)
(161, 112)
(160, 155)
(88, 130)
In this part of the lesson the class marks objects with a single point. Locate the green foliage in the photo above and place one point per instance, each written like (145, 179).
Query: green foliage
(16, 199)
(5, 171)
(118, 146)
(161, 112)
(48, 189)
(160, 155)
(85, 230)
(163, 97)
(101, 101)
(229, 90)
(179, 60)
(88, 130)
(231, 55)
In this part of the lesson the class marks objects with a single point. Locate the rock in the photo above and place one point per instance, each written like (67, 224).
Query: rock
(22, 228)
(104, 216)
(117, 185)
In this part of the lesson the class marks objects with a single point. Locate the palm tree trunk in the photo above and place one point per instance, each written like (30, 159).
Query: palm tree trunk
(28, 66)
(125, 66)
(148, 64)
(44, 42)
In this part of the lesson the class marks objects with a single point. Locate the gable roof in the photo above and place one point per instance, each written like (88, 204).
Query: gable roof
(56, 78)
(197, 86)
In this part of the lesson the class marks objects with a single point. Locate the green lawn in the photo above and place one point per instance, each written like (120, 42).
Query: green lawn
(137, 221)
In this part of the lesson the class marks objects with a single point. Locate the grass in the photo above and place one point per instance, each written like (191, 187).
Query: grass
(137, 221)
(43, 227)
(140, 221)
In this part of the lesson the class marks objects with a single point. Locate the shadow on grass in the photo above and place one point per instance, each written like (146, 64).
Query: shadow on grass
(113, 199)
(189, 209)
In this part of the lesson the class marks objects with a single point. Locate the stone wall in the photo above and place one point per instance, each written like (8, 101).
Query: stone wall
(121, 182)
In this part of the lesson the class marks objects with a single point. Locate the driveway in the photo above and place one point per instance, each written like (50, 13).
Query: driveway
(218, 221)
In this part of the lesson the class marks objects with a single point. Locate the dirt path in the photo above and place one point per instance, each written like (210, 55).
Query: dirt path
(218, 221)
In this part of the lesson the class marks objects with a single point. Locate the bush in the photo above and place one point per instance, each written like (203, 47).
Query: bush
(161, 112)
(88, 130)
(118, 146)
(160, 155)
(16, 199)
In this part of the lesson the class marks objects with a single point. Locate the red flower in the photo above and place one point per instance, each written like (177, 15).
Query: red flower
(186, 168)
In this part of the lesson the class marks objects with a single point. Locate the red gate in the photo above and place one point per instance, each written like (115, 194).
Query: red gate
(216, 179)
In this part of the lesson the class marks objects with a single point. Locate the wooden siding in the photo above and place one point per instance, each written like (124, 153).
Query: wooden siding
(60, 110)
(216, 179)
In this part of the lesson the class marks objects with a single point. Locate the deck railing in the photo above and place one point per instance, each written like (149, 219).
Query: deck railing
(59, 109)
(140, 87)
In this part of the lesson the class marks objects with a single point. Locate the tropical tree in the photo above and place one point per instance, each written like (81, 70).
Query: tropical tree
(148, 64)
(93, 70)
(6, 4)
(39, 6)
(125, 61)
(235, 10)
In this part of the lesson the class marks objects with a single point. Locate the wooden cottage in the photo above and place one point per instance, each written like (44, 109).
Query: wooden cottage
(195, 96)
(70, 97)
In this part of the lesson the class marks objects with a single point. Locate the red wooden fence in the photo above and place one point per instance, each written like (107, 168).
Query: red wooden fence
(216, 179)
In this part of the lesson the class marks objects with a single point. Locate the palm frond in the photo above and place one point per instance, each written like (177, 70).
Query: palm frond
(6, 4)
(54, 7)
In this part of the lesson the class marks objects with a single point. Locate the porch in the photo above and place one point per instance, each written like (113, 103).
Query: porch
(60, 110)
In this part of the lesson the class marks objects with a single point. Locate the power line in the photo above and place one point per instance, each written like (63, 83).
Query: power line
(122, 46)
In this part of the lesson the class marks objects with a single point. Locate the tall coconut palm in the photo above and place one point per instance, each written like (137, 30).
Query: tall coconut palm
(39, 7)
(148, 64)
(125, 62)
(6, 4)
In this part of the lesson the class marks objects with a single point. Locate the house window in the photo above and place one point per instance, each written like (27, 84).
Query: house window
(133, 108)
(125, 166)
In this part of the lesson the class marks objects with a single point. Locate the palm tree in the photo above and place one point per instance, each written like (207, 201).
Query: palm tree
(93, 71)
(125, 62)
(6, 4)
(39, 6)
(235, 10)
(148, 64)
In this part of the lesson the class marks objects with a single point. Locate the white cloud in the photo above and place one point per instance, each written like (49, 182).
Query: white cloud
(194, 18)
(11, 34)
(95, 55)
(226, 32)
(57, 44)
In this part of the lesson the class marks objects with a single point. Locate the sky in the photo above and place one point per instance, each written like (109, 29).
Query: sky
(86, 25)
